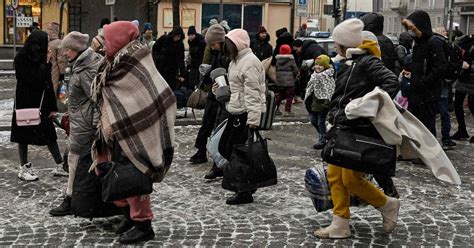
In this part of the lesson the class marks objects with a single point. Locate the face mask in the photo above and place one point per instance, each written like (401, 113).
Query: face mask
(412, 33)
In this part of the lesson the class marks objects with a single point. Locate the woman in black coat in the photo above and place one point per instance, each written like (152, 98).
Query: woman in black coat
(33, 75)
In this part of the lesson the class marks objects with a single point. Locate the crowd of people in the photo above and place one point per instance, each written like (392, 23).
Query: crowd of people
(121, 91)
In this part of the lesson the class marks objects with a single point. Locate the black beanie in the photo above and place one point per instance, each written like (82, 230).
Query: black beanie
(192, 30)
(298, 43)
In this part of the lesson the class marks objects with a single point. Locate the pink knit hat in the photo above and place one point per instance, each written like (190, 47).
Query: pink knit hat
(240, 38)
(117, 35)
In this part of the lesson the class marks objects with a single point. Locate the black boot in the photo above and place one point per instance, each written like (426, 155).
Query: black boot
(126, 223)
(460, 135)
(199, 158)
(214, 173)
(63, 209)
(141, 232)
(240, 198)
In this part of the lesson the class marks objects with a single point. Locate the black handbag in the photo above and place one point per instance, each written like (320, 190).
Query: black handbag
(250, 166)
(361, 149)
(122, 178)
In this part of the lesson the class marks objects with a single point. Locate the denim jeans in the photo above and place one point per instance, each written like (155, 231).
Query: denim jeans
(318, 120)
(443, 108)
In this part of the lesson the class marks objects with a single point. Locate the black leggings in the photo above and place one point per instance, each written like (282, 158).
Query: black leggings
(53, 149)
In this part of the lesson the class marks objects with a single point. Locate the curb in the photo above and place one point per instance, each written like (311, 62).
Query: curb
(180, 123)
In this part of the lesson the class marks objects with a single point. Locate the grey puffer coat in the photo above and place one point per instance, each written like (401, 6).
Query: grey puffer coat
(83, 113)
(286, 70)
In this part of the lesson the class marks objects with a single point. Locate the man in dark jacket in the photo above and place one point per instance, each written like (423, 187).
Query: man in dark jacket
(373, 22)
(197, 45)
(283, 38)
(261, 46)
(304, 50)
(429, 66)
(168, 55)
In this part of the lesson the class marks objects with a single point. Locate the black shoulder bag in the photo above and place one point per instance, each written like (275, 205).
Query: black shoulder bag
(122, 178)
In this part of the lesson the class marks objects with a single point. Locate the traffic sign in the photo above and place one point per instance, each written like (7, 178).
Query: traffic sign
(302, 11)
(302, 2)
(109, 2)
(15, 4)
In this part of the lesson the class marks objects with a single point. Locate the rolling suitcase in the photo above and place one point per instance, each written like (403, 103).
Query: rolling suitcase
(266, 120)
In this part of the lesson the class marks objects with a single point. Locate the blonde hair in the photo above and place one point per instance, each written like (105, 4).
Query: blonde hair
(440, 30)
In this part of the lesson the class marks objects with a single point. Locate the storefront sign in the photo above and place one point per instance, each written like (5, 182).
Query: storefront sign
(109, 2)
(24, 21)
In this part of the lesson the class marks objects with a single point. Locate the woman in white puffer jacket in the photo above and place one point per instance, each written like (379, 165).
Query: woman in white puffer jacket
(247, 100)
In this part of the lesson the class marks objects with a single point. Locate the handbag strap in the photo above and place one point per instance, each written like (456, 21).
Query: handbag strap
(41, 102)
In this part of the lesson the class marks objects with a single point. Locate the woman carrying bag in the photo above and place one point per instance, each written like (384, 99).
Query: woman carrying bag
(247, 100)
(34, 90)
(360, 72)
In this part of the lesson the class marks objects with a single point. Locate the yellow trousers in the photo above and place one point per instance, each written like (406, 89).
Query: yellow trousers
(343, 182)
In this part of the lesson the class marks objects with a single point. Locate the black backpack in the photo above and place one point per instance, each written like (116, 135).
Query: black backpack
(454, 58)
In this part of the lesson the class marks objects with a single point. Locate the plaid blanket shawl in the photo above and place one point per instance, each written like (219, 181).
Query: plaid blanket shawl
(140, 108)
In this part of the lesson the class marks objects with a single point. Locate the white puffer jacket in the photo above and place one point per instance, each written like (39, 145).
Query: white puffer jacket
(247, 86)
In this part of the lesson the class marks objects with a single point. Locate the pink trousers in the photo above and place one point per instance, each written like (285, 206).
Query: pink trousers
(140, 207)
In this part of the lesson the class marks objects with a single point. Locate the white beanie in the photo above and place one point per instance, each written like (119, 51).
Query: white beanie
(348, 33)
(367, 35)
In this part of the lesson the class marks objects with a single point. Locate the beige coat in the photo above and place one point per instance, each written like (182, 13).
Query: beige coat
(401, 128)
(247, 86)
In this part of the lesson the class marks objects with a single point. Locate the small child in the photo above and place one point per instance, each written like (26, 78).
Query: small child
(286, 72)
(318, 96)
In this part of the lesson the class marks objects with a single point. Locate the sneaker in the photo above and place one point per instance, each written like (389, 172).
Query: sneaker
(59, 171)
(26, 173)
(278, 112)
(448, 145)
(288, 114)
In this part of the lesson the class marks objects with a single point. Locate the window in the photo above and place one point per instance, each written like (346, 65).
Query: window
(248, 17)
(28, 13)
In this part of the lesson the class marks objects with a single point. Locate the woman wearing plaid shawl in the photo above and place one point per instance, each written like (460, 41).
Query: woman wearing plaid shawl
(138, 111)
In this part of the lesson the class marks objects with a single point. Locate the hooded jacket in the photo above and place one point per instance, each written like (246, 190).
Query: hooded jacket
(465, 84)
(33, 77)
(83, 114)
(309, 50)
(429, 60)
(196, 50)
(262, 48)
(358, 75)
(247, 85)
(373, 22)
(168, 55)
(286, 70)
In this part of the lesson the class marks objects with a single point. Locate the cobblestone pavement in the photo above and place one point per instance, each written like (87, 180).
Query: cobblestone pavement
(190, 211)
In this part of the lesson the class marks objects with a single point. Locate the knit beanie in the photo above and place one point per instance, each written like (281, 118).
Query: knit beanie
(52, 29)
(304, 26)
(213, 22)
(285, 49)
(370, 43)
(261, 29)
(240, 38)
(298, 43)
(117, 35)
(75, 41)
(147, 26)
(225, 25)
(136, 22)
(280, 31)
(192, 30)
(215, 34)
(349, 33)
(323, 60)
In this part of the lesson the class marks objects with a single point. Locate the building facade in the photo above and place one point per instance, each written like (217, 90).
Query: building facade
(465, 8)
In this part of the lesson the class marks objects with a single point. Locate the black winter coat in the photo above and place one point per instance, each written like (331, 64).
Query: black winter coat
(168, 56)
(262, 48)
(196, 50)
(33, 76)
(465, 84)
(356, 80)
(373, 22)
(310, 50)
(429, 63)
(284, 39)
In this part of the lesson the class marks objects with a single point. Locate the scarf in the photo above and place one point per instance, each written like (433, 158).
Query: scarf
(139, 108)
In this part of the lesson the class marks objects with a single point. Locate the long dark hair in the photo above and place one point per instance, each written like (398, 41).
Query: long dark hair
(36, 47)
(230, 49)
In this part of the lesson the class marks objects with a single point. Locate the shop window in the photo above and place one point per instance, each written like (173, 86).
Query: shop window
(29, 18)
(252, 16)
